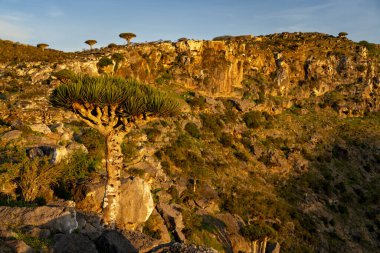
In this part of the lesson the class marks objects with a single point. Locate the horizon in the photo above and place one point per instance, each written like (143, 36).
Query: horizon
(65, 26)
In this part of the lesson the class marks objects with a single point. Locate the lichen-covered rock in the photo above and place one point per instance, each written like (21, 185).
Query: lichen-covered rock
(56, 219)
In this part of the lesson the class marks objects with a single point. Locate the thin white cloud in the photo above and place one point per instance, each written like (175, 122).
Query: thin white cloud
(13, 31)
(55, 13)
(10, 17)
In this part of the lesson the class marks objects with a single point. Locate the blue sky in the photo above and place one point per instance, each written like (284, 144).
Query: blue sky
(65, 24)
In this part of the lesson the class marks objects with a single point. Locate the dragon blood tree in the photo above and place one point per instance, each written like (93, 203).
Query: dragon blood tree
(113, 106)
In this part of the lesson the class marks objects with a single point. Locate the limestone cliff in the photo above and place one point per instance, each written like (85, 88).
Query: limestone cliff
(288, 65)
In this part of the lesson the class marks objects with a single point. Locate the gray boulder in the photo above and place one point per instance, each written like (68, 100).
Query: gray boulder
(73, 243)
(56, 219)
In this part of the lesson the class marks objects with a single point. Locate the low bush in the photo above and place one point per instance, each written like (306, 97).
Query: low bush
(226, 139)
(255, 232)
(212, 123)
(64, 75)
(193, 130)
(129, 150)
(253, 119)
(104, 62)
(152, 134)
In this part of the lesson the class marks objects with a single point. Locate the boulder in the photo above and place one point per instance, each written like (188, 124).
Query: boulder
(40, 128)
(73, 243)
(36, 232)
(19, 246)
(66, 133)
(140, 241)
(56, 153)
(112, 241)
(231, 229)
(173, 219)
(136, 202)
(56, 219)
(11, 135)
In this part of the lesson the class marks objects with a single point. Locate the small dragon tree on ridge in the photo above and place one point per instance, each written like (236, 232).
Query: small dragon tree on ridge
(127, 36)
(112, 106)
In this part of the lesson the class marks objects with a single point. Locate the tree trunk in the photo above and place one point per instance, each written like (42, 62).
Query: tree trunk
(114, 165)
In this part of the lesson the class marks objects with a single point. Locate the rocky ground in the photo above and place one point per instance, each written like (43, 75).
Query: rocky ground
(277, 146)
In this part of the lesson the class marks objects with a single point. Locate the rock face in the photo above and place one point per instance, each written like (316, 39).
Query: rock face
(173, 219)
(58, 219)
(225, 67)
(136, 202)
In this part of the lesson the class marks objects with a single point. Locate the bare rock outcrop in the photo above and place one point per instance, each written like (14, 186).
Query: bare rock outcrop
(57, 219)
(136, 201)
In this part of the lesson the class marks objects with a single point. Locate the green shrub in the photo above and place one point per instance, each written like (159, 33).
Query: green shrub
(255, 232)
(226, 139)
(93, 140)
(212, 123)
(164, 79)
(104, 62)
(38, 244)
(30, 175)
(193, 130)
(129, 150)
(4, 123)
(373, 49)
(79, 167)
(3, 96)
(195, 101)
(136, 172)
(253, 119)
(152, 134)
(241, 156)
(360, 68)
(117, 57)
(64, 75)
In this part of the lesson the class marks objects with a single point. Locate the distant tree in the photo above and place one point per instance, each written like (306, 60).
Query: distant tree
(223, 37)
(182, 39)
(112, 45)
(127, 36)
(90, 43)
(113, 106)
(42, 46)
(342, 35)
